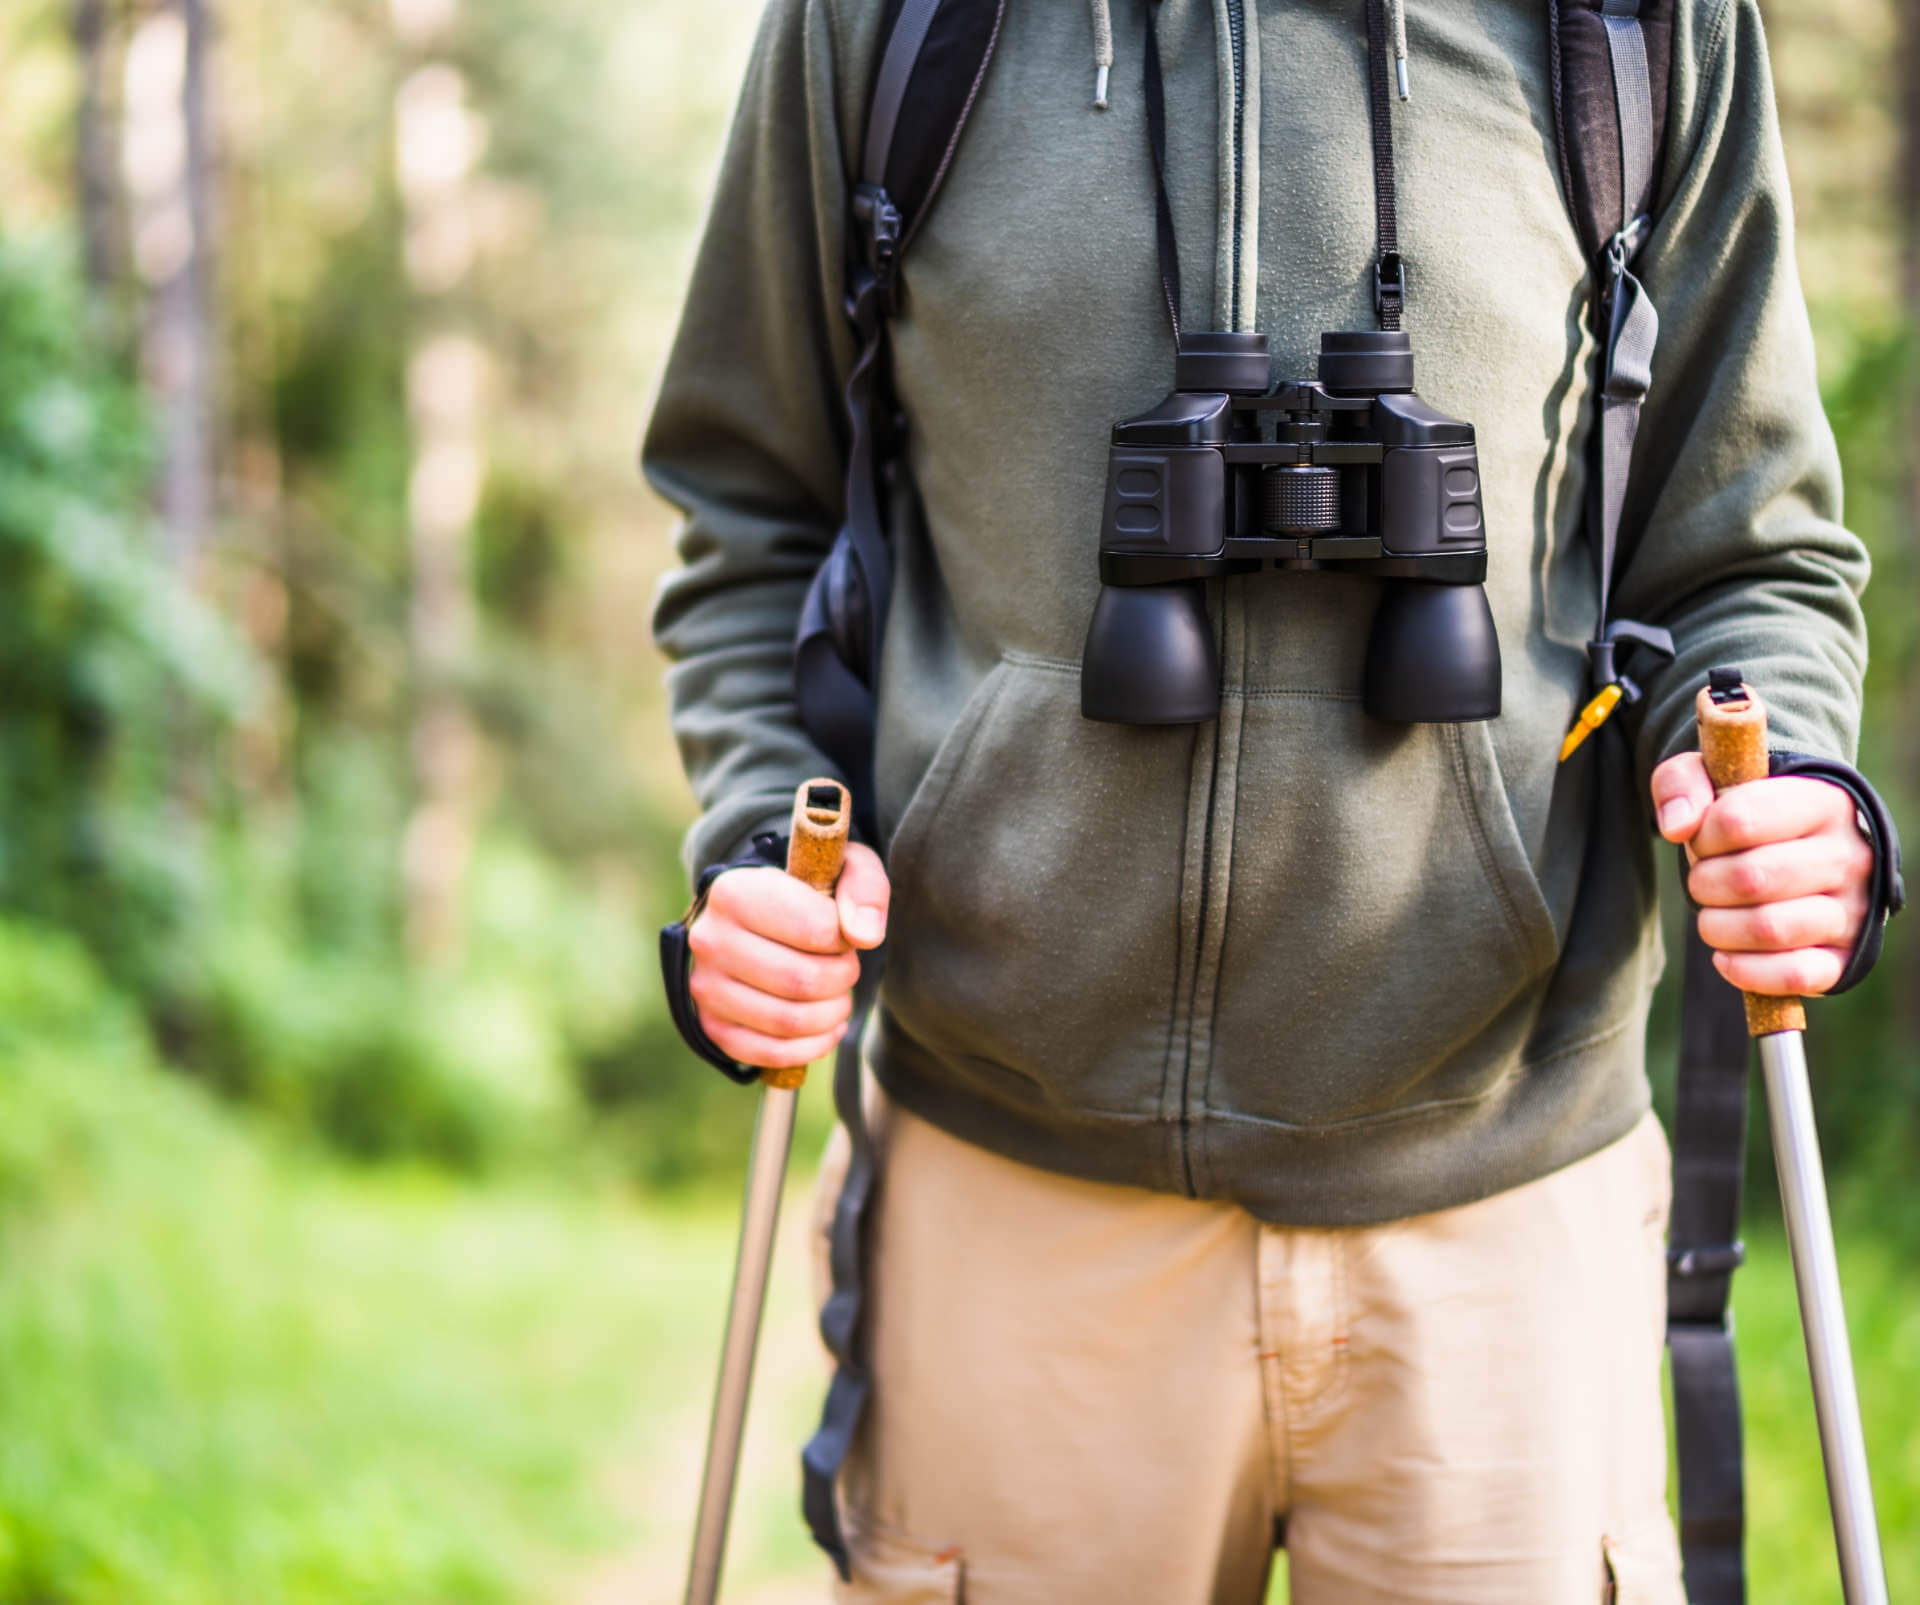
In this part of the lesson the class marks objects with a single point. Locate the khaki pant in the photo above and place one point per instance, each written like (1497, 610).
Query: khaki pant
(1091, 1395)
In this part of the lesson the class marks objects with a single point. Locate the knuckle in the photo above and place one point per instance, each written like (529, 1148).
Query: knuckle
(1771, 926)
(787, 1019)
(1750, 880)
(1739, 821)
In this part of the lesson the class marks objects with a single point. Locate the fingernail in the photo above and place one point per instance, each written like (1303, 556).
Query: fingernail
(1675, 814)
(1721, 962)
(866, 924)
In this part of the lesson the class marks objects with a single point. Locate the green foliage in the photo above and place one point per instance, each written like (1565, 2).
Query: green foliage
(231, 1375)
(106, 660)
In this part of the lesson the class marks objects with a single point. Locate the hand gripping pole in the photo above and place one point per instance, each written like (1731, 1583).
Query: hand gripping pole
(1733, 741)
(822, 814)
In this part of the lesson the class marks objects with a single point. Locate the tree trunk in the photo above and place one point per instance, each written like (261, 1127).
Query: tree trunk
(168, 168)
(93, 151)
(436, 144)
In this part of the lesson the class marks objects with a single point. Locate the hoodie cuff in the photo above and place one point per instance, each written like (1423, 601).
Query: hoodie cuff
(768, 849)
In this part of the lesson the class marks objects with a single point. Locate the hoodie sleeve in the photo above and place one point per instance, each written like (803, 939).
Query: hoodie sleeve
(1734, 494)
(747, 438)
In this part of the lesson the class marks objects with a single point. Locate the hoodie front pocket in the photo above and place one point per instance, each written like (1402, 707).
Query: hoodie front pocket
(1034, 932)
(1385, 933)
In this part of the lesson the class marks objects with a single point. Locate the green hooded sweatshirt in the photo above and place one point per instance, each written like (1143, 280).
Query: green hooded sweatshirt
(1334, 969)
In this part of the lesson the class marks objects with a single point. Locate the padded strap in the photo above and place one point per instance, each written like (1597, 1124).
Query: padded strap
(767, 850)
(1886, 890)
(1709, 1169)
(1633, 326)
(1633, 103)
(1627, 372)
(890, 85)
(841, 1317)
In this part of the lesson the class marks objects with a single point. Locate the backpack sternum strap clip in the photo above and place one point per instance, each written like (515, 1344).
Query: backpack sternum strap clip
(1610, 686)
(876, 229)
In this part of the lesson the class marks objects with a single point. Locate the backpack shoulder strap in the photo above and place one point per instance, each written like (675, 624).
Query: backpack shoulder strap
(1611, 62)
(1611, 66)
(932, 59)
(925, 80)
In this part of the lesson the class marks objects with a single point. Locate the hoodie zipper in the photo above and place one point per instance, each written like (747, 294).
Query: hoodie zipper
(1237, 37)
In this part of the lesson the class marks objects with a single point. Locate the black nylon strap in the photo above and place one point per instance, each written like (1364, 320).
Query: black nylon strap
(1886, 889)
(842, 1316)
(1709, 1169)
(1389, 273)
(1706, 1422)
(1167, 244)
(843, 618)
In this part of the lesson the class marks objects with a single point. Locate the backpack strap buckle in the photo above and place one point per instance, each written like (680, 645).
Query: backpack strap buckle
(1625, 246)
(877, 228)
(1713, 1259)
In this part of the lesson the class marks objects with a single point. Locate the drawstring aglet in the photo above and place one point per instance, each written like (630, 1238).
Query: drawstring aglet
(1592, 717)
(1400, 77)
(1100, 87)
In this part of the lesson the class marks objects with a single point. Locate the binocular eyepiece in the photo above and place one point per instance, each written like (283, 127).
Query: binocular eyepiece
(1351, 472)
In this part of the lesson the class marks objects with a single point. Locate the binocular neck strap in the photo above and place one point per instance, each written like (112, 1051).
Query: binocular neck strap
(1389, 276)
(1157, 138)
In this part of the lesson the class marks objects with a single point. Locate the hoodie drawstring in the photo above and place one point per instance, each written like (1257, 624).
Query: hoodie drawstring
(1397, 31)
(1102, 51)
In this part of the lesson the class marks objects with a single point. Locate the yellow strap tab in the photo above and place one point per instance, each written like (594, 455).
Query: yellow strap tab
(1592, 717)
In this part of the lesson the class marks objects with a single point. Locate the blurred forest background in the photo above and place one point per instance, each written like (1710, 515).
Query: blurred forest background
(364, 1230)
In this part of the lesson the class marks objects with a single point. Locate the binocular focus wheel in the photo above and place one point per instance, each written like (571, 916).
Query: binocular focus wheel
(1305, 499)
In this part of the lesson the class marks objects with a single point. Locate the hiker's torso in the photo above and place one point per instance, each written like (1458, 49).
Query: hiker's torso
(1297, 956)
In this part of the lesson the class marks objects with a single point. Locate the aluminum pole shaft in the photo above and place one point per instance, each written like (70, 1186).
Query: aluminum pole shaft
(766, 1175)
(1823, 1317)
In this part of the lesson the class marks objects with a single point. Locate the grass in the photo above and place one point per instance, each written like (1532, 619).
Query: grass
(234, 1372)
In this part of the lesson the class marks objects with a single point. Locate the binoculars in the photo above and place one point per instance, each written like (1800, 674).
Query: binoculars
(1352, 472)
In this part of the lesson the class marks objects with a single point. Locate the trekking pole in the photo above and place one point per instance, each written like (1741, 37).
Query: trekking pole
(1733, 741)
(822, 813)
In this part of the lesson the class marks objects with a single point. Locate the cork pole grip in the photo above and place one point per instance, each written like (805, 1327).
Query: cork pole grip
(816, 847)
(1733, 741)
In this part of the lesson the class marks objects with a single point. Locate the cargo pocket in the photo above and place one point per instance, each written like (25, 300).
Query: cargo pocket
(891, 1570)
(1645, 1569)
(1036, 897)
(1382, 918)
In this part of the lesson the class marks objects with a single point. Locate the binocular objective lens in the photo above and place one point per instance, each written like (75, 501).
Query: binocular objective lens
(1300, 500)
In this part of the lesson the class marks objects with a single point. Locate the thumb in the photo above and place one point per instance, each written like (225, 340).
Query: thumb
(863, 894)
(1682, 794)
